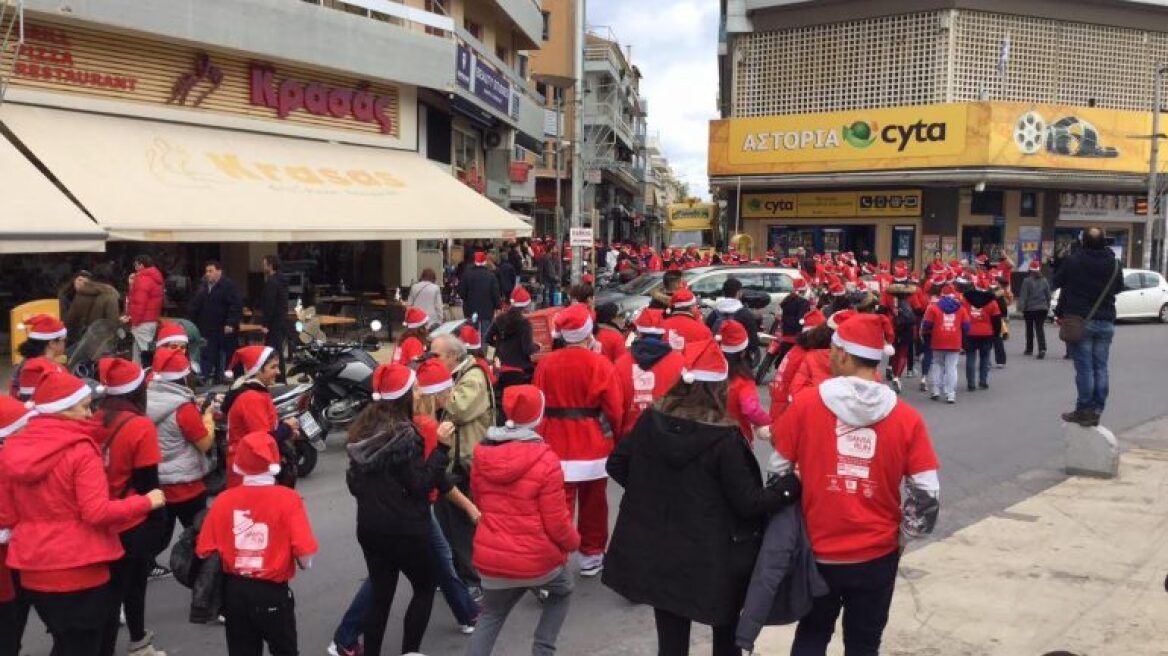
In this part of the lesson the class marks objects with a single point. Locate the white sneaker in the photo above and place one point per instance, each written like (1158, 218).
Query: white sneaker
(466, 629)
(896, 385)
(591, 565)
(924, 385)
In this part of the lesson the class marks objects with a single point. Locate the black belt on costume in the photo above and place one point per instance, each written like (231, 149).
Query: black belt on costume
(572, 413)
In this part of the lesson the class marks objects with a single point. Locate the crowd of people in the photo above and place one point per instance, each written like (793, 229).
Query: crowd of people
(481, 470)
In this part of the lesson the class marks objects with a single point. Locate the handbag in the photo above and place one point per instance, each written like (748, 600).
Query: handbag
(1073, 326)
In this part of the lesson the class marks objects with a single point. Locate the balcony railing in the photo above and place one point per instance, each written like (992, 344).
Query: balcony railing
(394, 13)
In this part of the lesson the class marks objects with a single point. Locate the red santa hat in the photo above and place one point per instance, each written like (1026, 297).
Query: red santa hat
(863, 336)
(574, 323)
(433, 377)
(900, 274)
(250, 358)
(523, 406)
(119, 376)
(13, 416)
(415, 317)
(392, 381)
(520, 297)
(812, 320)
(937, 266)
(799, 284)
(837, 288)
(983, 259)
(1035, 265)
(733, 337)
(256, 454)
(683, 298)
(31, 373)
(838, 318)
(170, 333)
(884, 266)
(480, 258)
(868, 269)
(470, 337)
(171, 365)
(588, 278)
(948, 290)
(650, 321)
(43, 327)
(704, 362)
(58, 391)
(982, 283)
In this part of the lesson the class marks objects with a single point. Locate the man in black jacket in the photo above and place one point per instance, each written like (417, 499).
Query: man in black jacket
(274, 308)
(217, 310)
(729, 306)
(1089, 280)
(479, 289)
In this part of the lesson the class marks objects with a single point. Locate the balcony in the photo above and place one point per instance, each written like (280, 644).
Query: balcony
(527, 15)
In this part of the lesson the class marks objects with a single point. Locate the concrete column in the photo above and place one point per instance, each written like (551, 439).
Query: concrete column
(409, 261)
(391, 268)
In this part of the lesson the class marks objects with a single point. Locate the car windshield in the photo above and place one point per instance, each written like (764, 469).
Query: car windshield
(641, 284)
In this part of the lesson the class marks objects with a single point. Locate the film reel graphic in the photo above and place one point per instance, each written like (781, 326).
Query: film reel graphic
(1069, 136)
(1030, 133)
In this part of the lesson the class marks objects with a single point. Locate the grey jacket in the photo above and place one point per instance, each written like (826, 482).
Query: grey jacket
(1034, 295)
(785, 581)
(182, 462)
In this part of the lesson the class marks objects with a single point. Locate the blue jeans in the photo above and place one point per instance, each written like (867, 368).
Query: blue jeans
(349, 632)
(484, 326)
(464, 608)
(977, 361)
(1090, 356)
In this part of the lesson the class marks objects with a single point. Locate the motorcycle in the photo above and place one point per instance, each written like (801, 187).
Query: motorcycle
(290, 401)
(104, 337)
(341, 375)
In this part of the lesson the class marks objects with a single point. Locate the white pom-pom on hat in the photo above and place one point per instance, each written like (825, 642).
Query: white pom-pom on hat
(229, 374)
(30, 405)
(718, 338)
(273, 469)
(376, 396)
(509, 423)
(99, 389)
(687, 376)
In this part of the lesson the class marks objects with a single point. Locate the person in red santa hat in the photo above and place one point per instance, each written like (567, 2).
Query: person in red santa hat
(683, 325)
(44, 345)
(897, 304)
(581, 391)
(171, 336)
(945, 326)
(609, 333)
(525, 537)
(816, 365)
(473, 341)
(792, 309)
(248, 404)
(856, 446)
(742, 404)
(512, 338)
(261, 532)
(129, 440)
(985, 323)
(411, 343)
(814, 335)
(30, 373)
(14, 604)
(55, 497)
(649, 369)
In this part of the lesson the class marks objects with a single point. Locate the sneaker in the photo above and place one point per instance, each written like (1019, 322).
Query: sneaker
(972, 388)
(983, 386)
(591, 565)
(1042, 355)
(999, 366)
(910, 374)
(159, 572)
(935, 396)
(1084, 418)
(466, 629)
(896, 385)
(1027, 352)
(334, 650)
(144, 647)
(122, 616)
(924, 385)
(476, 593)
(950, 399)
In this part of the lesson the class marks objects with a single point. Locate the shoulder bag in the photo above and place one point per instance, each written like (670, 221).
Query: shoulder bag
(1073, 326)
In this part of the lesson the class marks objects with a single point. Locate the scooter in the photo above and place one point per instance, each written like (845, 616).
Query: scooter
(290, 401)
(341, 375)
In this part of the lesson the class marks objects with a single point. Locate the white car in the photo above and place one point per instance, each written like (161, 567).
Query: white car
(1145, 296)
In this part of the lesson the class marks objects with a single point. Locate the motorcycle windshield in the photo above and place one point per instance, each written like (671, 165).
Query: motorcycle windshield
(99, 340)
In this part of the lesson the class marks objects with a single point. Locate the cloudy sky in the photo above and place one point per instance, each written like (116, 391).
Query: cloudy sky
(675, 44)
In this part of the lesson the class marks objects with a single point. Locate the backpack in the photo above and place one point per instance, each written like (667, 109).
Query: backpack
(716, 319)
(905, 318)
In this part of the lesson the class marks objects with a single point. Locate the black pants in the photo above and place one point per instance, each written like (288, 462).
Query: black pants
(1000, 351)
(673, 636)
(183, 512)
(1035, 327)
(78, 620)
(259, 612)
(864, 592)
(13, 619)
(387, 556)
(128, 578)
(459, 532)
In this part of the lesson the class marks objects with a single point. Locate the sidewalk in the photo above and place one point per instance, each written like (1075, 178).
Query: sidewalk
(1079, 567)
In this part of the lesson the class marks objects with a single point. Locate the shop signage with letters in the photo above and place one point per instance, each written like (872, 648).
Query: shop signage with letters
(317, 98)
(1108, 208)
(485, 82)
(844, 204)
(47, 54)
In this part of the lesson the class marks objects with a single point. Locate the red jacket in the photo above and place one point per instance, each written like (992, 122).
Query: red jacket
(784, 377)
(55, 497)
(258, 532)
(612, 342)
(947, 323)
(813, 370)
(686, 327)
(144, 301)
(251, 412)
(981, 319)
(743, 406)
(526, 531)
(645, 379)
(575, 380)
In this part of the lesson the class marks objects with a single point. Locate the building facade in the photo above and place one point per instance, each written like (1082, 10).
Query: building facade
(934, 128)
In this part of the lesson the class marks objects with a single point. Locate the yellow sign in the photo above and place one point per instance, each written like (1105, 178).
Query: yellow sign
(898, 203)
(1078, 138)
(686, 216)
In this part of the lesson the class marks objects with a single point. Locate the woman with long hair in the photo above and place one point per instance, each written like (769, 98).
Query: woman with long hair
(129, 440)
(44, 346)
(742, 402)
(511, 336)
(813, 337)
(816, 365)
(391, 478)
(412, 342)
(693, 511)
(249, 407)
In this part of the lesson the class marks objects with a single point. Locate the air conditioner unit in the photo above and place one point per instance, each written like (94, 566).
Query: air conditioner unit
(492, 139)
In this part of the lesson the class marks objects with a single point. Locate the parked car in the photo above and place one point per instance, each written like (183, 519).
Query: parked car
(1145, 296)
(706, 283)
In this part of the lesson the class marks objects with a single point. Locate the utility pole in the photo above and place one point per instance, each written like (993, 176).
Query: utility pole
(578, 141)
(1154, 208)
(558, 229)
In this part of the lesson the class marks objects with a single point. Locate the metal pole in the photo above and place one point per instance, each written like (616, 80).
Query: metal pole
(1153, 172)
(578, 142)
(558, 219)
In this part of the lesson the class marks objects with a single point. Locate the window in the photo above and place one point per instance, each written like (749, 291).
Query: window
(522, 66)
(1151, 280)
(436, 7)
(1132, 281)
(541, 89)
(547, 25)
(987, 203)
(475, 29)
(1029, 206)
(466, 152)
(709, 286)
(501, 53)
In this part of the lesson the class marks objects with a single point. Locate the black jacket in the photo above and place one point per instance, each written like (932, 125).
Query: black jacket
(1083, 277)
(744, 316)
(691, 519)
(793, 308)
(274, 304)
(479, 289)
(392, 481)
(214, 308)
(511, 336)
(507, 276)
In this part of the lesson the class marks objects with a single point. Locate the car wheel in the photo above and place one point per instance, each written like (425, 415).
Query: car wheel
(1163, 316)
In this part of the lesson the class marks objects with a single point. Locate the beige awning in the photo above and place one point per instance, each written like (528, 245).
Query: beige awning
(35, 217)
(152, 181)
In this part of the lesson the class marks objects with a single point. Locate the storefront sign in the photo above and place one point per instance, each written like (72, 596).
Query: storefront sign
(931, 245)
(485, 82)
(290, 95)
(1103, 208)
(948, 248)
(1029, 243)
(47, 54)
(900, 203)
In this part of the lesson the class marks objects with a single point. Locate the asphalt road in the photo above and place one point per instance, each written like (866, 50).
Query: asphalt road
(996, 447)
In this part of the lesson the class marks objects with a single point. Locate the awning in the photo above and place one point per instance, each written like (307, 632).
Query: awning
(35, 217)
(152, 181)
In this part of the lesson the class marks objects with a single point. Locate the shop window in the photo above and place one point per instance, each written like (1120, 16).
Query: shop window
(547, 25)
(501, 53)
(475, 29)
(1029, 204)
(521, 66)
(466, 158)
(987, 203)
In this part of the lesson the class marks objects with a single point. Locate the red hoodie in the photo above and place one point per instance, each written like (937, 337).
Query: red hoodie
(144, 300)
(55, 497)
(645, 374)
(784, 377)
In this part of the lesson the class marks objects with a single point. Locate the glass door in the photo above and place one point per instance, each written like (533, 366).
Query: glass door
(904, 244)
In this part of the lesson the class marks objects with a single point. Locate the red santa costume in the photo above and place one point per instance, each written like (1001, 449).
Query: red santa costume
(412, 346)
(742, 398)
(816, 365)
(682, 326)
(13, 417)
(172, 336)
(648, 370)
(580, 389)
(785, 375)
(249, 406)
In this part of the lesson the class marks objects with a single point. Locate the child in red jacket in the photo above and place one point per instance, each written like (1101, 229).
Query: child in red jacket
(525, 535)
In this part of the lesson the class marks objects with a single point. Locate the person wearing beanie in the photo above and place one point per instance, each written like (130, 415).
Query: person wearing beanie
(581, 392)
(525, 537)
(985, 323)
(55, 498)
(14, 604)
(262, 534)
(480, 293)
(248, 404)
(693, 511)
(945, 327)
(1034, 303)
(511, 337)
(129, 441)
(391, 478)
(815, 336)
(648, 370)
(44, 339)
(742, 402)
(411, 343)
(682, 323)
(856, 444)
(609, 333)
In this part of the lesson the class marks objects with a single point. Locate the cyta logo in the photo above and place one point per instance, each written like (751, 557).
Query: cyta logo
(755, 204)
(860, 134)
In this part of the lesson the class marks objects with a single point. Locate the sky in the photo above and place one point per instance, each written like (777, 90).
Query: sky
(675, 45)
